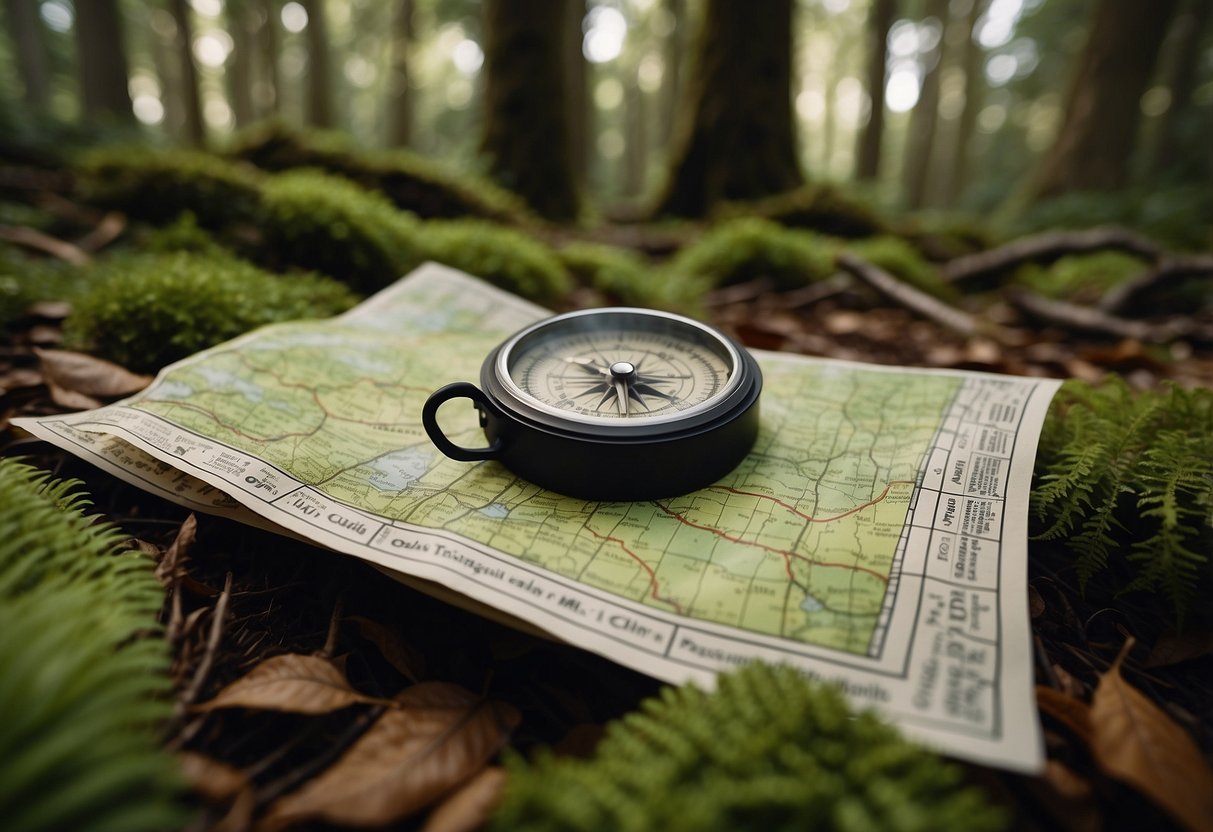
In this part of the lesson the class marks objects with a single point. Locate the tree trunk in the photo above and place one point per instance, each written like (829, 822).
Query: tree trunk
(526, 119)
(26, 33)
(635, 160)
(577, 106)
(1188, 29)
(880, 20)
(736, 137)
(924, 120)
(1102, 109)
(104, 94)
(319, 79)
(971, 62)
(267, 50)
(195, 129)
(671, 78)
(239, 74)
(400, 104)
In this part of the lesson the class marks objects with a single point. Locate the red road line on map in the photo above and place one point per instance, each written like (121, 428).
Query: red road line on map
(653, 586)
(807, 517)
(787, 556)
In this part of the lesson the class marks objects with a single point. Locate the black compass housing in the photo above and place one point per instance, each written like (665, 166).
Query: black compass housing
(619, 459)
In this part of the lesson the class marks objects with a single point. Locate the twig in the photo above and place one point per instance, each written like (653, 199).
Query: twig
(739, 292)
(330, 642)
(1166, 270)
(808, 295)
(1092, 320)
(105, 232)
(32, 238)
(913, 299)
(212, 645)
(1048, 246)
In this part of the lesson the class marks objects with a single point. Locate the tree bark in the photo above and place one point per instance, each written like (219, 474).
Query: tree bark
(26, 34)
(195, 128)
(239, 74)
(671, 77)
(526, 119)
(320, 111)
(924, 119)
(400, 105)
(267, 50)
(736, 136)
(104, 94)
(1102, 109)
(867, 155)
(577, 106)
(971, 64)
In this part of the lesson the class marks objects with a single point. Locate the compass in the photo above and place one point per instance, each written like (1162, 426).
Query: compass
(612, 404)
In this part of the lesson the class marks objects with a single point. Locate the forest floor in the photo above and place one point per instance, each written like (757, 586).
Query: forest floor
(240, 596)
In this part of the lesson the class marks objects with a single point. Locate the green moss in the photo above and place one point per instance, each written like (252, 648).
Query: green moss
(823, 208)
(83, 680)
(409, 181)
(316, 221)
(158, 185)
(627, 278)
(182, 234)
(746, 249)
(1082, 278)
(146, 311)
(26, 280)
(767, 750)
(939, 236)
(504, 257)
(1124, 483)
(903, 261)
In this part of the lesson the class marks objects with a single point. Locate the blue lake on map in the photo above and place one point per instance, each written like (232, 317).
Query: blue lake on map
(495, 510)
(399, 469)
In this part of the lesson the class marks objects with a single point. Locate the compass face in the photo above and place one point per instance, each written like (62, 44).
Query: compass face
(618, 366)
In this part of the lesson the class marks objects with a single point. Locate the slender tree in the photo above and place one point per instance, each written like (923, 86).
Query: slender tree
(671, 76)
(924, 120)
(1102, 110)
(1187, 35)
(195, 128)
(267, 51)
(736, 137)
(971, 64)
(320, 111)
(526, 118)
(101, 52)
(238, 73)
(400, 106)
(880, 20)
(26, 35)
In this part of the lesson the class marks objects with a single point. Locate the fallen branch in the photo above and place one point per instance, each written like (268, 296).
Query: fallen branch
(917, 301)
(1167, 269)
(1091, 320)
(105, 232)
(1048, 246)
(32, 238)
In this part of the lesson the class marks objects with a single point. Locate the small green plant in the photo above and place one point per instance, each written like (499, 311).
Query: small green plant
(1126, 483)
(147, 310)
(158, 185)
(746, 249)
(1081, 278)
(504, 257)
(317, 221)
(767, 750)
(83, 678)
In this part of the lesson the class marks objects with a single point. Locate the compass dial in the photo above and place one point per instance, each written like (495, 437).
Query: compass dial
(619, 365)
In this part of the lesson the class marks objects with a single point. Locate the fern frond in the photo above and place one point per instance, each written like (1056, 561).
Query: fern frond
(767, 750)
(81, 693)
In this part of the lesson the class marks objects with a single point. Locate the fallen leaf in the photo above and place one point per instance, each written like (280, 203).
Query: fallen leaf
(211, 778)
(292, 683)
(1136, 742)
(437, 737)
(71, 399)
(1073, 713)
(89, 376)
(399, 654)
(1175, 648)
(172, 566)
(1036, 603)
(18, 378)
(469, 808)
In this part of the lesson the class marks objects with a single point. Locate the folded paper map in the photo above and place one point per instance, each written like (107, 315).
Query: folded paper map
(875, 537)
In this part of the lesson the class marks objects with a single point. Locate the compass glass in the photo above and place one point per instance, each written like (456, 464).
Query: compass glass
(618, 364)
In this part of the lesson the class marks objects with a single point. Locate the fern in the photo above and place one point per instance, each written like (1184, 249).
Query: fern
(1126, 482)
(767, 750)
(78, 676)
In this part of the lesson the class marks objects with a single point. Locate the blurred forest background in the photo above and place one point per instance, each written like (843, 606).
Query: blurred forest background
(973, 106)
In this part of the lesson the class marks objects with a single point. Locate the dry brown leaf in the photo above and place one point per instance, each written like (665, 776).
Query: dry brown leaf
(211, 778)
(94, 377)
(1137, 743)
(469, 808)
(18, 378)
(292, 683)
(1070, 712)
(71, 399)
(399, 654)
(1176, 648)
(439, 736)
(172, 566)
